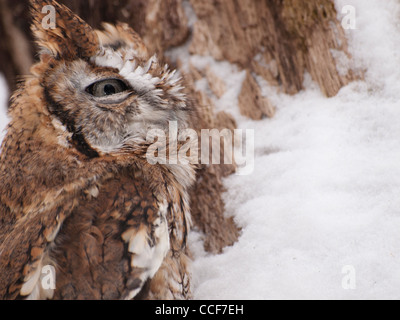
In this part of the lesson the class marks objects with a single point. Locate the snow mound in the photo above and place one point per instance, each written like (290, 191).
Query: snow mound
(325, 193)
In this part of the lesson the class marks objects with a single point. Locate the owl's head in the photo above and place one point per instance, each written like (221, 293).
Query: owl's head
(103, 87)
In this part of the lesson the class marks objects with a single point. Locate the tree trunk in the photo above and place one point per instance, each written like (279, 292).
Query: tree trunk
(275, 40)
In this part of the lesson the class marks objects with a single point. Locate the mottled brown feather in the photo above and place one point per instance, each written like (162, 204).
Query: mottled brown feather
(69, 205)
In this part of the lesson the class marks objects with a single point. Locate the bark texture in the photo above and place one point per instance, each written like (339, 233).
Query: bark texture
(272, 40)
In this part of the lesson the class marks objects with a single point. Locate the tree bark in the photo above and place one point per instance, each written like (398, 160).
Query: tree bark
(277, 40)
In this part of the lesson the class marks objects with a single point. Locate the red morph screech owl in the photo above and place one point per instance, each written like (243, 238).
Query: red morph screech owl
(77, 192)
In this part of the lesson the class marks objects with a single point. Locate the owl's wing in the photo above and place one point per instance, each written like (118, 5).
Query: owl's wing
(148, 246)
(24, 249)
(104, 244)
(113, 243)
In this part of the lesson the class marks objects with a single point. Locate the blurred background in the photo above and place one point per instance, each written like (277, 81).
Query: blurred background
(276, 39)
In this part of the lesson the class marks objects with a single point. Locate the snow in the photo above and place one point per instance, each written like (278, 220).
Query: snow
(325, 192)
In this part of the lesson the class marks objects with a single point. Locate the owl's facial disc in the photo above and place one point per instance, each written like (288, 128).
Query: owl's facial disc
(109, 105)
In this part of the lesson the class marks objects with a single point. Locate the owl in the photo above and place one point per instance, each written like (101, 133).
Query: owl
(78, 195)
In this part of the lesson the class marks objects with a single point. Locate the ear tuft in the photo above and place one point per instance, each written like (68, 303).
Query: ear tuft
(61, 33)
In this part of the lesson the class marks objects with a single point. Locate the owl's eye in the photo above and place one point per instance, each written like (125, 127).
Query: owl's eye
(107, 88)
